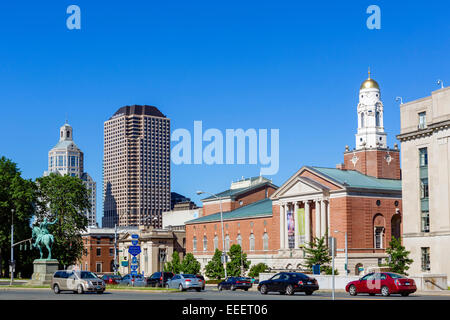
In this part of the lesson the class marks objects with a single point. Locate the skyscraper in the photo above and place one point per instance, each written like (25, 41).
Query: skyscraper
(67, 158)
(136, 167)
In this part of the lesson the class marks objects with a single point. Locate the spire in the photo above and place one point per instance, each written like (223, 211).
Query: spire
(369, 73)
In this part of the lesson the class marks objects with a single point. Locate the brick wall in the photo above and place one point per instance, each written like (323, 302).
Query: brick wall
(91, 244)
(373, 163)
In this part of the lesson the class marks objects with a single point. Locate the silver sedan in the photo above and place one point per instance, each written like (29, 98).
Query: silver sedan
(184, 282)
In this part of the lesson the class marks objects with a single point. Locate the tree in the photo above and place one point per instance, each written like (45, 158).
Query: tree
(238, 261)
(398, 257)
(257, 269)
(18, 194)
(174, 265)
(190, 265)
(214, 269)
(317, 253)
(65, 198)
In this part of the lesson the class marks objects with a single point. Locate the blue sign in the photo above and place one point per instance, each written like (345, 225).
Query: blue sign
(316, 269)
(134, 273)
(134, 267)
(134, 236)
(134, 242)
(124, 263)
(134, 250)
(134, 260)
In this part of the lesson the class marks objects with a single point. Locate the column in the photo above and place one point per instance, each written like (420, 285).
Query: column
(286, 239)
(297, 234)
(323, 219)
(328, 218)
(281, 226)
(307, 223)
(317, 216)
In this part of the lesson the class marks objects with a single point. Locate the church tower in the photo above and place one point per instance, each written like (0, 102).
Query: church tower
(371, 155)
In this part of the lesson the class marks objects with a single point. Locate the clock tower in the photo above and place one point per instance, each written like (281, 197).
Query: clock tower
(371, 155)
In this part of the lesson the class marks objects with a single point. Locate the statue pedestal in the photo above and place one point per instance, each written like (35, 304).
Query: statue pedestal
(43, 271)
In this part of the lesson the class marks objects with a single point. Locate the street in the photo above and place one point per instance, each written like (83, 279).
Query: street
(208, 294)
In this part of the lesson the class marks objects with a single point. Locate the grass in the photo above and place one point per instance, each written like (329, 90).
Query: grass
(24, 286)
(121, 287)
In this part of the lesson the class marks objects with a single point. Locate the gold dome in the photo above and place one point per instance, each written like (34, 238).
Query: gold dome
(369, 84)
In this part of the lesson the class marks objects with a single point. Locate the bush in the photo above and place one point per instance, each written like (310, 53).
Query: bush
(257, 269)
(214, 281)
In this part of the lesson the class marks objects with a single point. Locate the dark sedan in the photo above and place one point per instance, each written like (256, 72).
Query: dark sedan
(233, 283)
(159, 279)
(289, 283)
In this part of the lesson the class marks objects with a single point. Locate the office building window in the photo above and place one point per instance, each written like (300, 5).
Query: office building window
(379, 237)
(194, 244)
(99, 251)
(205, 243)
(425, 219)
(424, 188)
(111, 252)
(422, 120)
(216, 242)
(239, 240)
(227, 243)
(423, 157)
(426, 259)
(98, 267)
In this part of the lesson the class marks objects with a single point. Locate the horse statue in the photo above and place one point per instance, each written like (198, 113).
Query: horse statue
(42, 238)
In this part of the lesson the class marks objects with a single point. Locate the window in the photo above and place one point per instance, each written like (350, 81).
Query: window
(423, 157)
(252, 242)
(424, 188)
(111, 252)
(377, 118)
(422, 120)
(425, 221)
(194, 243)
(205, 243)
(99, 251)
(227, 243)
(98, 267)
(425, 259)
(265, 241)
(378, 237)
(216, 242)
(362, 120)
(239, 240)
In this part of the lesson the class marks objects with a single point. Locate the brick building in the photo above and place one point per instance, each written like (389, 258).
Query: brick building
(360, 198)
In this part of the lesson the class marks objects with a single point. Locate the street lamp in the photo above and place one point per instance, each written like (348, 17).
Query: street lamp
(346, 251)
(221, 221)
(12, 265)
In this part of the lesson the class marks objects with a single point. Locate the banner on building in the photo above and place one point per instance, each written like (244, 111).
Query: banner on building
(301, 225)
(291, 229)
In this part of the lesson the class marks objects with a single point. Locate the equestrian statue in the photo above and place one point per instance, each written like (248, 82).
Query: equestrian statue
(42, 238)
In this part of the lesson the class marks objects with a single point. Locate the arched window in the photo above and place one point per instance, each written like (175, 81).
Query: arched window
(194, 243)
(227, 243)
(265, 241)
(362, 119)
(205, 243)
(252, 242)
(68, 134)
(216, 242)
(377, 118)
(239, 240)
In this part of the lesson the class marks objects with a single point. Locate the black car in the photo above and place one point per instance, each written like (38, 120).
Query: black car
(233, 283)
(159, 279)
(202, 280)
(289, 283)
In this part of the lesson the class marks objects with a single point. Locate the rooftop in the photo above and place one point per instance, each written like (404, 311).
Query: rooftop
(262, 208)
(241, 186)
(139, 110)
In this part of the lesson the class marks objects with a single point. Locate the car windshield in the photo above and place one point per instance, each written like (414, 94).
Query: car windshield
(396, 276)
(87, 275)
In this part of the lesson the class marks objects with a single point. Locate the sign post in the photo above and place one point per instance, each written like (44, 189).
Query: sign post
(134, 250)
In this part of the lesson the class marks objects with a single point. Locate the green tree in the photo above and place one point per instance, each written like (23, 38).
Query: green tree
(398, 257)
(18, 194)
(317, 253)
(174, 265)
(65, 198)
(256, 269)
(190, 265)
(214, 269)
(238, 261)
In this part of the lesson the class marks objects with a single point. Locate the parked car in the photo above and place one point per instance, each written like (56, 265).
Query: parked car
(159, 279)
(111, 278)
(384, 283)
(133, 280)
(184, 282)
(202, 280)
(289, 283)
(76, 281)
(233, 283)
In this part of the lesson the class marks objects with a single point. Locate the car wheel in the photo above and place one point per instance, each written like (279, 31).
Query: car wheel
(385, 291)
(56, 289)
(246, 289)
(220, 288)
(308, 292)
(198, 289)
(371, 294)
(80, 289)
(100, 292)
(405, 294)
(352, 290)
(263, 289)
(181, 287)
(290, 290)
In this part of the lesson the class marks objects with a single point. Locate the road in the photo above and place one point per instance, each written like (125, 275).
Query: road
(208, 294)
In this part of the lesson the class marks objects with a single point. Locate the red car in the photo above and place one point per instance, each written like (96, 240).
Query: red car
(111, 279)
(383, 283)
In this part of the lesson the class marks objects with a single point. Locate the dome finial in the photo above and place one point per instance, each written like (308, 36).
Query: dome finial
(369, 73)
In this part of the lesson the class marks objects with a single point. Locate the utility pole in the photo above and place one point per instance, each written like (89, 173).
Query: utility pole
(115, 249)
(332, 264)
(12, 265)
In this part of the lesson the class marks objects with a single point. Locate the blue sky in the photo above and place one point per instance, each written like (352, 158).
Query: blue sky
(292, 65)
